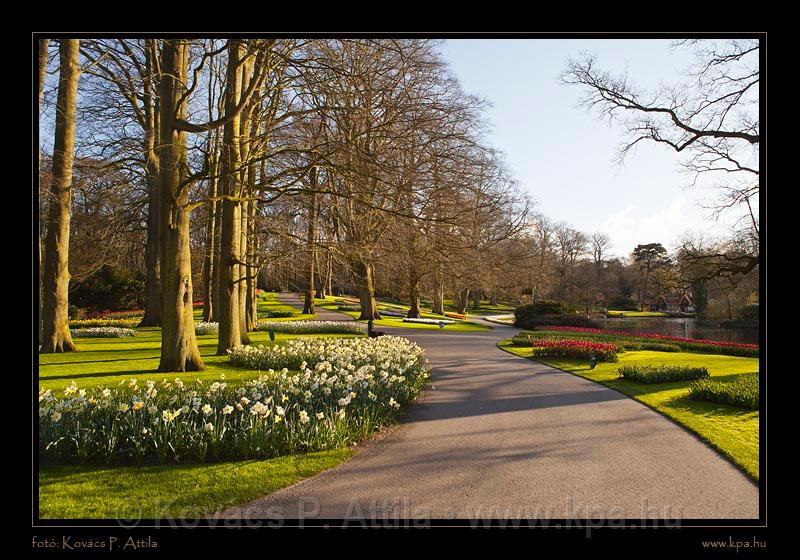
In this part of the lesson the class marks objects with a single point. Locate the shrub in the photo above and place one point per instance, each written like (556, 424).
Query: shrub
(526, 320)
(623, 304)
(90, 323)
(345, 390)
(109, 288)
(662, 374)
(206, 328)
(576, 349)
(742, 391)
(278, 313)
(313, 327)
(102, 332)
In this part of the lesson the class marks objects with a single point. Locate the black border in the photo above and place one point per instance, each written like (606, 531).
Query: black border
(566, 534)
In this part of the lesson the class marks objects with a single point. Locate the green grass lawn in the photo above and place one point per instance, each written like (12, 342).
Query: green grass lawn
(268, 301)
(332, 304)
(171, 491)
(107, 361)
(732, 431)
(611, 313)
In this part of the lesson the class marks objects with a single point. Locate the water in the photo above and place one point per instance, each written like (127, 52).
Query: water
(681, 327)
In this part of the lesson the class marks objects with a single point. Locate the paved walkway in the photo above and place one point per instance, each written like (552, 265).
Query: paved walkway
(495, 435)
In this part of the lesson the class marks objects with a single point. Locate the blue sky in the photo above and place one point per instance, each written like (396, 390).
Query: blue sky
(564, 156)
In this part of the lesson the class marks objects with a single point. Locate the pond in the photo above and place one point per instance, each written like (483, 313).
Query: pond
(681, 327)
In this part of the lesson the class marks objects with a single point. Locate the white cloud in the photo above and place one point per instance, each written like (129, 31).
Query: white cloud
(631, 226)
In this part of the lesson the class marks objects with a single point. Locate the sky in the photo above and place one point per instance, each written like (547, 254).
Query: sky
(563, 156)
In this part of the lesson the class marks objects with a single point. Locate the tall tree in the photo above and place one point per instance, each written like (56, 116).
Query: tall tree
(179, 350)
(55, 313)
(650, 257)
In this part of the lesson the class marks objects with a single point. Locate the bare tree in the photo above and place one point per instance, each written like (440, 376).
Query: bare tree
(711, 117)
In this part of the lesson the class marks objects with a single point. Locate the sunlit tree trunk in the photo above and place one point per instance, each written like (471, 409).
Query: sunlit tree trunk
(362, 270)
(179, 350)
(55, 312)
(209, 270)
(413, 292)
(230, 324)
(308, 305)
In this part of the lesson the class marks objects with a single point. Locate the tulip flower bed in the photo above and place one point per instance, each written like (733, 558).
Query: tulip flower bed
(662, 373)
(206, 328)
(576, 349)
(641, 341)
(456, 315)
(102, 332)
(314, 327)
(742, 392)
(348, 307)
(93, 323)
(125, 314)
(339, 391)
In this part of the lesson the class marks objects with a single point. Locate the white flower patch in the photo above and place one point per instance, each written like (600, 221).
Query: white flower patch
(425, 321)
(206, 328)
(389, 313)
(313, 327)
(102, 332)
(315, 394)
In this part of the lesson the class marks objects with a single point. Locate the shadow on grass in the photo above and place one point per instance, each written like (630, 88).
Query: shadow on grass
(706, 408)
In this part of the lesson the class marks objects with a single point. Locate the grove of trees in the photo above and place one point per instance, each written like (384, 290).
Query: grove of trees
(207, 168)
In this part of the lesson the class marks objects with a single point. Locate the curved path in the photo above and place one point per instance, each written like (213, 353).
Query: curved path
(495, 435)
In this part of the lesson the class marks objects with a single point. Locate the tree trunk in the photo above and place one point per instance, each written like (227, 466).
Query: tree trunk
(252, 271)
(438, 299)
(211, 234)
(55, 312)
(244, 271)
(43, 52)
(214, 317)
(476, 298)
(462, 300)
(179, 350)
(308, 305)
(230, 324)
(152, 253)
(329, 272)
(413, 294)
(366, 290)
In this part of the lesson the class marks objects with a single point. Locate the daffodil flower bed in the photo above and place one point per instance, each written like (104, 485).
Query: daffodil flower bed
(337, 391)
(313, 327)
(104, 322)
(206, 328)
(102, 332)
(425, 321)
